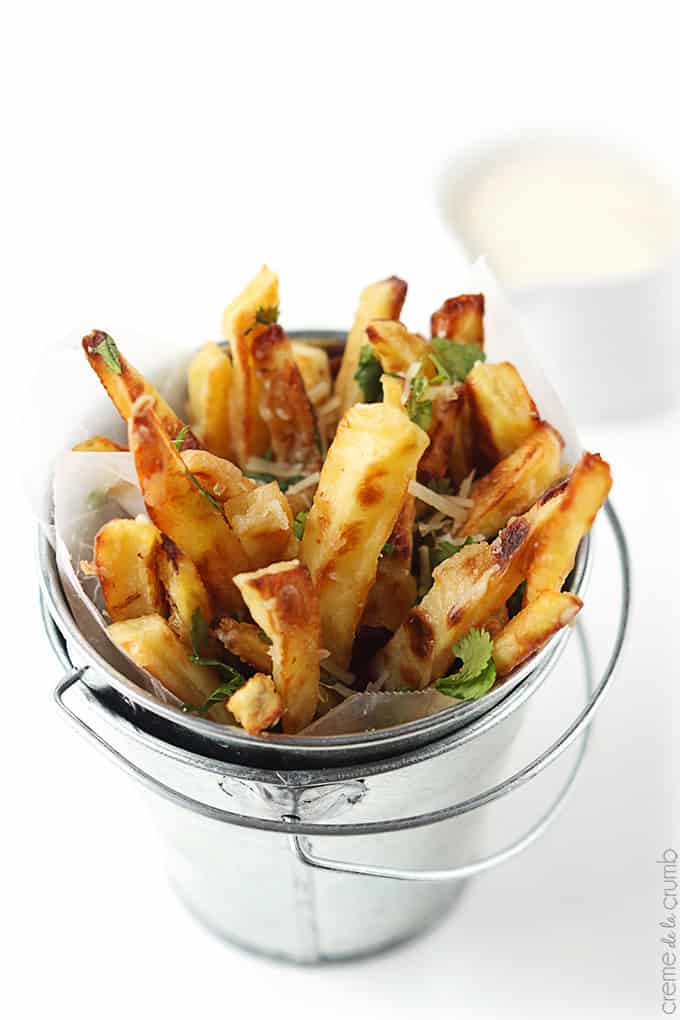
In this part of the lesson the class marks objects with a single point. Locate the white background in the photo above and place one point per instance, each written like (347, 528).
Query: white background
(154, 156)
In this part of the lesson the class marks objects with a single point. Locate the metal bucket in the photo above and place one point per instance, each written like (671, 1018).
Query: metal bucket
(321, 863)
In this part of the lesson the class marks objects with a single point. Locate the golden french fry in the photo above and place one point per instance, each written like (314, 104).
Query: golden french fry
(220, 477)
(263, 523)
(497, 621)
(124, 384)
(515, 483)
(99, 444)
(315, 369)
(283, 401)
(382, 300)
(443, 432)
(183, 510)
(257, 705)
(532, 627)
(283, 602)
(395, 589)
(394, 345)
(468, 587)
(209, 383)
(244, 319)
(246, 642)
(361, 490)
(183, 588)
(154, 646)
(461, 319)
(392, 392)
(503, 413)
(555, 548)
(462, 462)
(125, 553)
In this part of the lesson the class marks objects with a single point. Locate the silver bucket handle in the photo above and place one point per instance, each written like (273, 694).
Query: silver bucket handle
(291, 825)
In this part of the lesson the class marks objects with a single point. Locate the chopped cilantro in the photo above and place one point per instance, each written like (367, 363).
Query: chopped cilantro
(265, 317)
(299, 523)
(477, 671)
(453, 361)
(108, 352)
(445, 549)
(368, 375)
(419, 408)
(200, 634)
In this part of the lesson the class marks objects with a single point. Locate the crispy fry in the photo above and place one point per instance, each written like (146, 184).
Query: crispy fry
(182, 510)
(503, 413)
(462, 444)
(382, 300)
(315, 370)
(183, 587)
(361, 491)
(392, 392)
(394, 345)
(283, 401)
(99, 444)
(220, 477)
(443, 432)
(515, 483)
(262, 521)
(394, 591)
(555, 548)
(498, 619)
(532, 627)
(467, 589)
(209, 382)
(240, 326)
(246, 642)
(461, 319)
(125, 553)
(257, 705)
(153, 645)
(283, 602)
(127, 385)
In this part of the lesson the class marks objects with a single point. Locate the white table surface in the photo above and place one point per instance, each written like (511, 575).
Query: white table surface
(159, 157)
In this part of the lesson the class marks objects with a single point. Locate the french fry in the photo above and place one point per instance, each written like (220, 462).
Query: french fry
(443, 432)
(283, 401)
(183, 510)
(283, 602)
(394, 345)
(395, 589)
(555, 548)
(382, 300)
(467, 589)
(220, 477)
(124, 384)
(125, 555)
(503, 413)
(361, 490)
(461, 462)
(263, 524)
(532, 627)
(315, 370)
(244, 319)
(184, 589)
(461, 319)
(154, 646)
(257, 705)
(245, 641)
(99, 444)
(209, 383)
(515, 483)
(392, 392)
(497, 621)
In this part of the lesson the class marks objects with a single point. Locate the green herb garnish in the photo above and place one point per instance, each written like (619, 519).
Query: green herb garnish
(204, 492)
(368, 375)
(387, 549)
(299, 523)
(264, 316)
(419, 408)
(180, 437)
(108, 352)
(453, 361)
(477, 672)
(200, 634)
(264, 478)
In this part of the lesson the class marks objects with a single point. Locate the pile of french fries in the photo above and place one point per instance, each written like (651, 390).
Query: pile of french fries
(319, 526)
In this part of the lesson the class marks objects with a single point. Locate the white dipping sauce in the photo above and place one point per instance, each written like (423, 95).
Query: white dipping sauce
(553, 212)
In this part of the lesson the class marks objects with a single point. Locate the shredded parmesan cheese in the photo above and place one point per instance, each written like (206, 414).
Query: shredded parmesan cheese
(466, 485)
(433, 523)
(270, 467)
(306, 483)
(452, 506)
